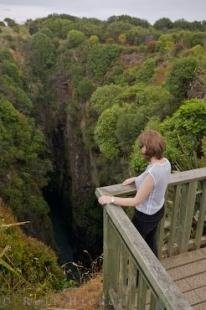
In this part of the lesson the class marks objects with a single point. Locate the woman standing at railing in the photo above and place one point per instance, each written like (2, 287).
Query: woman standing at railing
(151, 187)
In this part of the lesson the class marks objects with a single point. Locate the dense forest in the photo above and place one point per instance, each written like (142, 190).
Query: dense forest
(74, 95)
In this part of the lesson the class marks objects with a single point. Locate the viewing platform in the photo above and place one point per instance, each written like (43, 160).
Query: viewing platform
(133, 278)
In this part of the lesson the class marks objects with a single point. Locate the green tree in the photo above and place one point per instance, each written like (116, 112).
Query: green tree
(129, 19)
(105, 132)
(23, 165)
(181, 75)
(15, 95)
(156, 100)
(90, 26)
(182, 24)
(163, 24)
(128, 126)
(10, 22)
(74, 38)
(100, 59)
(139, 35)
(93, 39)
(116, 28)
(104, 97)
(59, 27)
(145, 73)
(85, 89)
(10, 69)
(165, 43)
(42, 55)
(184, 132)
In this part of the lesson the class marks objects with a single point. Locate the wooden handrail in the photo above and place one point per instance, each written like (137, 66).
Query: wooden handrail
(175, 179)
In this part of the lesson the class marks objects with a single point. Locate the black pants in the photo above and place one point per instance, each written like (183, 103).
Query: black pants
(147, 226)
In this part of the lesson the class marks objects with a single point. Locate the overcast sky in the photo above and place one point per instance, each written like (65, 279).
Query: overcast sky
(151, 10)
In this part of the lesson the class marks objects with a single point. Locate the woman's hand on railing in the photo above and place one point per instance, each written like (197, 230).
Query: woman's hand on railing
(103, 200)
(128, 181)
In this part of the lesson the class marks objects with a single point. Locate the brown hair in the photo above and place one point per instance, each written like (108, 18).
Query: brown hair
(153, 142)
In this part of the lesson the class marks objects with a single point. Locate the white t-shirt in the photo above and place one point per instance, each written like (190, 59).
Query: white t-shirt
(160, 173)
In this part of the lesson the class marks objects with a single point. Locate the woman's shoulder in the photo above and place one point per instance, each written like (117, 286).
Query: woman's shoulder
(160, 166)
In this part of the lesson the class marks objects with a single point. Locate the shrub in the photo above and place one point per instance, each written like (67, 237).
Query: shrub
(42, 55)
(23, 165)
(74, 38)
(104, 97)
(10, 69)
(85, 89)
(181, 75)
(165, 44)
(28, 265)
(100, 59)
(146, 72)
(184, 132)
(163, 24)
(128, 126)
(93, 40)
(105, 132)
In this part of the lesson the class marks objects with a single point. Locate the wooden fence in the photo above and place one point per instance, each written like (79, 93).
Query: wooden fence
(133, 277)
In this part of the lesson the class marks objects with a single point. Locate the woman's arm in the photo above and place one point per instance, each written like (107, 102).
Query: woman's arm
(128, 181)
(143, 192)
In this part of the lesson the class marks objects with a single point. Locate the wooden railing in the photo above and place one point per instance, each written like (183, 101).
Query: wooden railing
(133, 277)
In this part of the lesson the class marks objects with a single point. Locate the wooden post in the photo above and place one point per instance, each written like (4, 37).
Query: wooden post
(106, 274)
(201, 218)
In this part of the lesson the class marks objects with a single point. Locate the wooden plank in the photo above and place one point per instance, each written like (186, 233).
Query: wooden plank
(115, 242)
(159, 305)
(115, 300)
(188, 270)
(192, 297)
(181, 217)
(196, 296)
(201, 306)
(142, 290)
(152, 301)
(123, 276)
(159, 280)
(188, 215)
(107, 249)
(174, 220)
(116, 190)
(184, 285)
(132, 283)
(192, 282)
(188, 176)
(161, 231)
(176, 178)
(184, 258)
(201, 219)
(121, 268)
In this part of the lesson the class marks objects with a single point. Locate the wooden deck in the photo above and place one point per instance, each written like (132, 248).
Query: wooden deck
(188, 270)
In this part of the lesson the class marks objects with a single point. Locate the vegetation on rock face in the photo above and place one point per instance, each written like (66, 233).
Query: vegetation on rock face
(23, 169)
(42, 54)
(100, 59)
(74, 94)
(28, 268)
(181, 75)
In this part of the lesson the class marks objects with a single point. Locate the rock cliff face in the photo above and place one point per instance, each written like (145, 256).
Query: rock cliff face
(74, 177)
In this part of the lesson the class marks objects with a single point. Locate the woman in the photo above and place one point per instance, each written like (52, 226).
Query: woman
(151, 187)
